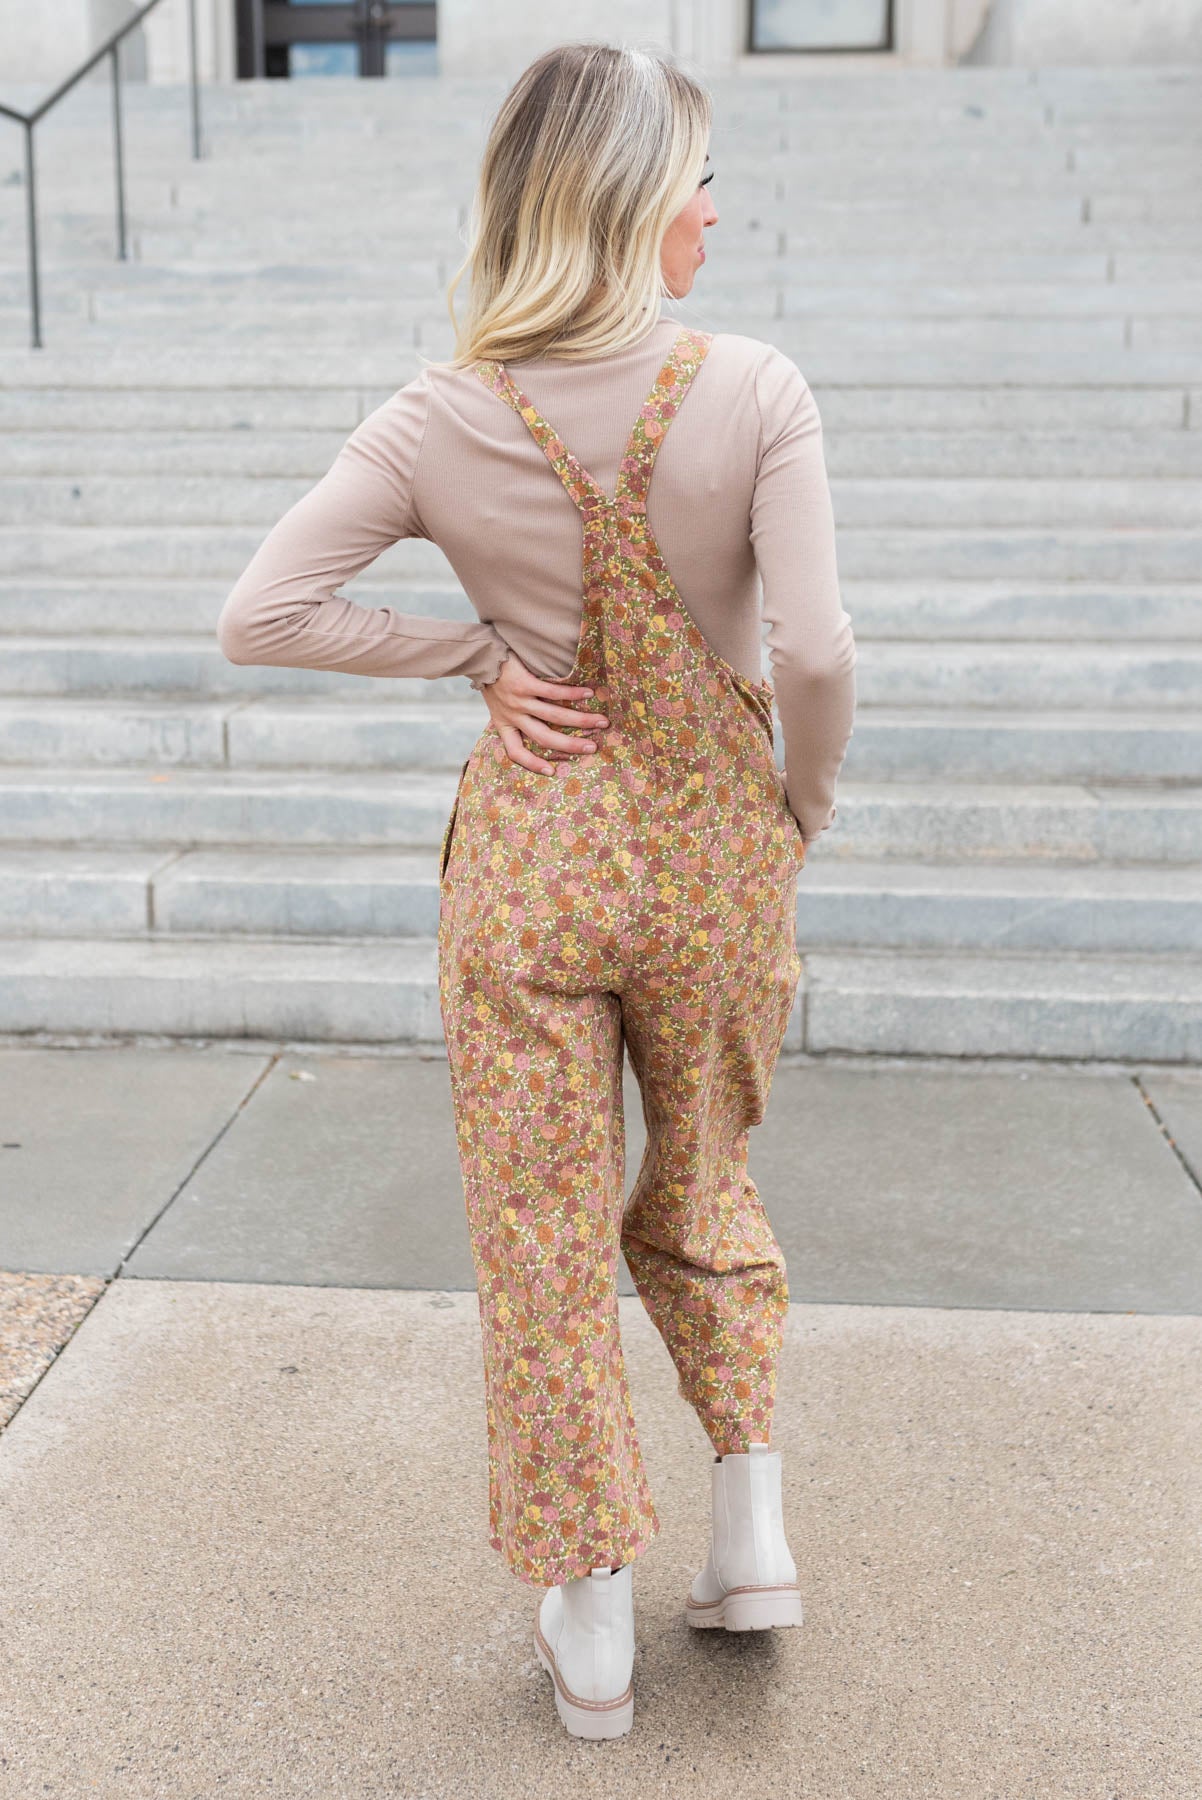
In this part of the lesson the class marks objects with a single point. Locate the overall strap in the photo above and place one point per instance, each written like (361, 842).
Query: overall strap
(656, 414)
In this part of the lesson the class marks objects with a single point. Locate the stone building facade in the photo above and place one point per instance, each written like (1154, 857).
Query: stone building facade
(497, 37)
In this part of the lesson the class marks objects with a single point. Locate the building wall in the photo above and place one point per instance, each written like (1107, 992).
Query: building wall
(40, 41)
(1091, 31)
(485, 37)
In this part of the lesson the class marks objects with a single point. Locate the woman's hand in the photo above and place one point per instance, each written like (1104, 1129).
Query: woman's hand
(520, 701)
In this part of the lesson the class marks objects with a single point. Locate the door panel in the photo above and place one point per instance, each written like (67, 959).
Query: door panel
(291, 39)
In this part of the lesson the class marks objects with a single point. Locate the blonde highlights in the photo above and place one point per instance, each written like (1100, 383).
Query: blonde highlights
(594, 151)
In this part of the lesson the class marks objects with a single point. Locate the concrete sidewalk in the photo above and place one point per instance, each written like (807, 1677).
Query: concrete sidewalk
(243, 1480)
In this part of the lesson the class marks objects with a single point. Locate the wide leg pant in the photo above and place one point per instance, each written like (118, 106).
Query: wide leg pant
(536, 1075)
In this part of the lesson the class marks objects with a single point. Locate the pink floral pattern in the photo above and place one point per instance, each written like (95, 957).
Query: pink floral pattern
(643, 895)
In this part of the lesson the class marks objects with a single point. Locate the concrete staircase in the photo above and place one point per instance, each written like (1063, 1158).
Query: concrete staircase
(992, 280)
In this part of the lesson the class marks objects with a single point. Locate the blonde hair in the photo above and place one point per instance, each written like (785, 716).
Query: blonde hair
(594, 151)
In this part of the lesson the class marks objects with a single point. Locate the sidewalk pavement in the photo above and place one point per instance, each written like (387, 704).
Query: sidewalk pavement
(242, 1482)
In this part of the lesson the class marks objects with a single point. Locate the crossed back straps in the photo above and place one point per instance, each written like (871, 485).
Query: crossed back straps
(642, 446)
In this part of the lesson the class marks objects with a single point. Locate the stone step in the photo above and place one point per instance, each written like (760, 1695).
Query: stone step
(781, 227)
(182, 665)
(369, 893)
(939, 283)
(1058, 204)
(940, 278)
(1034, 611)
(943, 262)
(315, 283)
(762, 179)
(926, 906)
(831, 146)
(1080, 1006)
(780, 151)
(781, 164)
(951, 820)
(1121, 555)
(232, 733)
(158, 293)
(1009, 610)
(334, 327)
(857, 271)
(94, 417)
(159, 365)
(887, 455)
(888, 743)
(871, 501)
(912, 744)
(799, 225)
(1138, 1008)
(1028, 458)
(971, 97)
(374, 991)
(109, 319)
(764, 107)
(938, 673)
(969, 104)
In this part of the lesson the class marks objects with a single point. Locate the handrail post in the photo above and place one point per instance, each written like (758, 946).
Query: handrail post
(195, 80)
(31, 239)
(118, 160)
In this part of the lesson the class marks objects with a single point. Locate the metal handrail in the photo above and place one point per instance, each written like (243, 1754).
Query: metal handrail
(108, 48)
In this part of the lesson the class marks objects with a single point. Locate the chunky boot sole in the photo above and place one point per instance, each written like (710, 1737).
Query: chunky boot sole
(747, 1609)
(586, 1718)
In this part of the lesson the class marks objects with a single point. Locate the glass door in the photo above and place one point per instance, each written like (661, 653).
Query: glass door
(291, 39)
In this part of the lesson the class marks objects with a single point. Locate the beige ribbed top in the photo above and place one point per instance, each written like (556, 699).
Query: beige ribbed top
(739, 490)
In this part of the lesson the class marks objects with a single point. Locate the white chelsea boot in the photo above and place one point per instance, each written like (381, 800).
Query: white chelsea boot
(749, 1582)
(584, 1639)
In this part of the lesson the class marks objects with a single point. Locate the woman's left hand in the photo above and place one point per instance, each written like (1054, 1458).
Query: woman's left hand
(521, 702)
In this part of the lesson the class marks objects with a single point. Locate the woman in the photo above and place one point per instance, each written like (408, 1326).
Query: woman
(620, 863)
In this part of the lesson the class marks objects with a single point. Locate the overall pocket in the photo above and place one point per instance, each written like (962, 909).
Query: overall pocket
(444, 854)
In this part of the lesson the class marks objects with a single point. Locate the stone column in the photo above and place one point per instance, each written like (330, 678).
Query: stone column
(499, 37)
(166, 33)
(1036, 32)
(41, 42)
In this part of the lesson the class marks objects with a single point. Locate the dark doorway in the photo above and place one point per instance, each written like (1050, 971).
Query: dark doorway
(285, 39)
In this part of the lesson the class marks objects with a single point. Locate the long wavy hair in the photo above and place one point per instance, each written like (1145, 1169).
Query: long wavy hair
(595, 149)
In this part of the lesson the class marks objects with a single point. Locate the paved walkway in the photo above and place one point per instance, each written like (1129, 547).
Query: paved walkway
(242, 1479)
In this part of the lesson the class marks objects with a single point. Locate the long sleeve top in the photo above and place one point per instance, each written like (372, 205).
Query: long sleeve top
(739, 504)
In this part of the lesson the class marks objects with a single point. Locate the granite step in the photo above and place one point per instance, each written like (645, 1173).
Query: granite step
(1112, 555)
(884, 456)
(1035, 611)
(929, 502)
(1138, 1008)
(921, 673)
(159, 364)
(108, 319)
(1131, 1008)
(1109, 414)
(1139, 822)
(1075, 284)
(888, 743)
(162, 891)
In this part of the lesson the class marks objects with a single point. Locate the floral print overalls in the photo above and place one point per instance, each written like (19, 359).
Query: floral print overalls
(642, 894)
